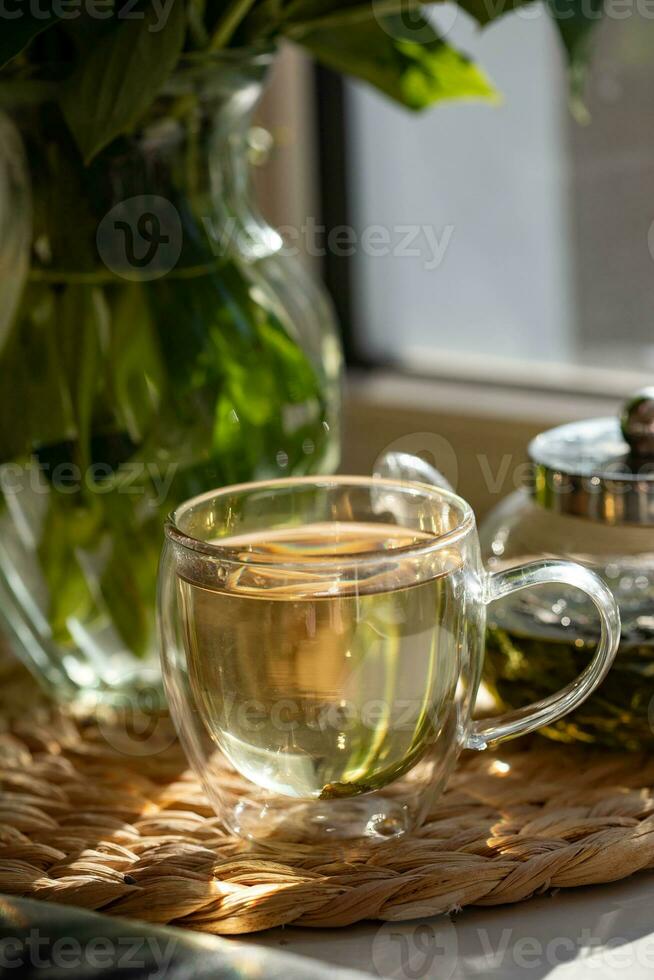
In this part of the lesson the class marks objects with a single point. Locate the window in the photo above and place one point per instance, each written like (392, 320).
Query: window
(509, 242)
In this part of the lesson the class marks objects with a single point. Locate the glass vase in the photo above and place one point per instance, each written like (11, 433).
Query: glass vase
(155, 342)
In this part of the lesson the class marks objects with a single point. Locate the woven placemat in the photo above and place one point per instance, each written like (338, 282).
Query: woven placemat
(110, 819)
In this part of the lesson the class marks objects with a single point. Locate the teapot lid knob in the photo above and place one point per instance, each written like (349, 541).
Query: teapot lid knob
(638, 423)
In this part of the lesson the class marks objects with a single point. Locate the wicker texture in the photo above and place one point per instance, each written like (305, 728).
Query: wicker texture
(94, 816)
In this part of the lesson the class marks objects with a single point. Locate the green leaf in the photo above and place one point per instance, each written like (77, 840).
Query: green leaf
(406, 60)
(135, 362)
(127, 584)
(68, 530)
(83, 319)
(17, 34)
(576, 20)
(32, 358)
(117, 82)
(86, 30)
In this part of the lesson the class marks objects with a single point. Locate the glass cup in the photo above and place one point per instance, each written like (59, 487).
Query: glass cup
(322, 646)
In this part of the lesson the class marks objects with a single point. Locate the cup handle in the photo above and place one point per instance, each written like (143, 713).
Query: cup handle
(488, 731)
(394, 465)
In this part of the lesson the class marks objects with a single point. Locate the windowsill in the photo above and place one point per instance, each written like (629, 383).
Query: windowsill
(475, 433)
(601, 378)
(475, 398)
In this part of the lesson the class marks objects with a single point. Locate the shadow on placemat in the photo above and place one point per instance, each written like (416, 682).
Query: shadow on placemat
(84, 822)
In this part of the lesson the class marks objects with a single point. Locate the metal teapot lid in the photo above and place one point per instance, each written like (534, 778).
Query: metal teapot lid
(602, 469)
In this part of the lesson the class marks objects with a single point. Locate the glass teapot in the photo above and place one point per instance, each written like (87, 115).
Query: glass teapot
(590, 497)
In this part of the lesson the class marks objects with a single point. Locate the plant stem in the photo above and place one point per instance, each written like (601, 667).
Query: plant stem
(197, 29)
(235, 13)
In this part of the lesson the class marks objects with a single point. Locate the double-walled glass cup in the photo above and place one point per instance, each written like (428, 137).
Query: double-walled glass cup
(322, 643)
